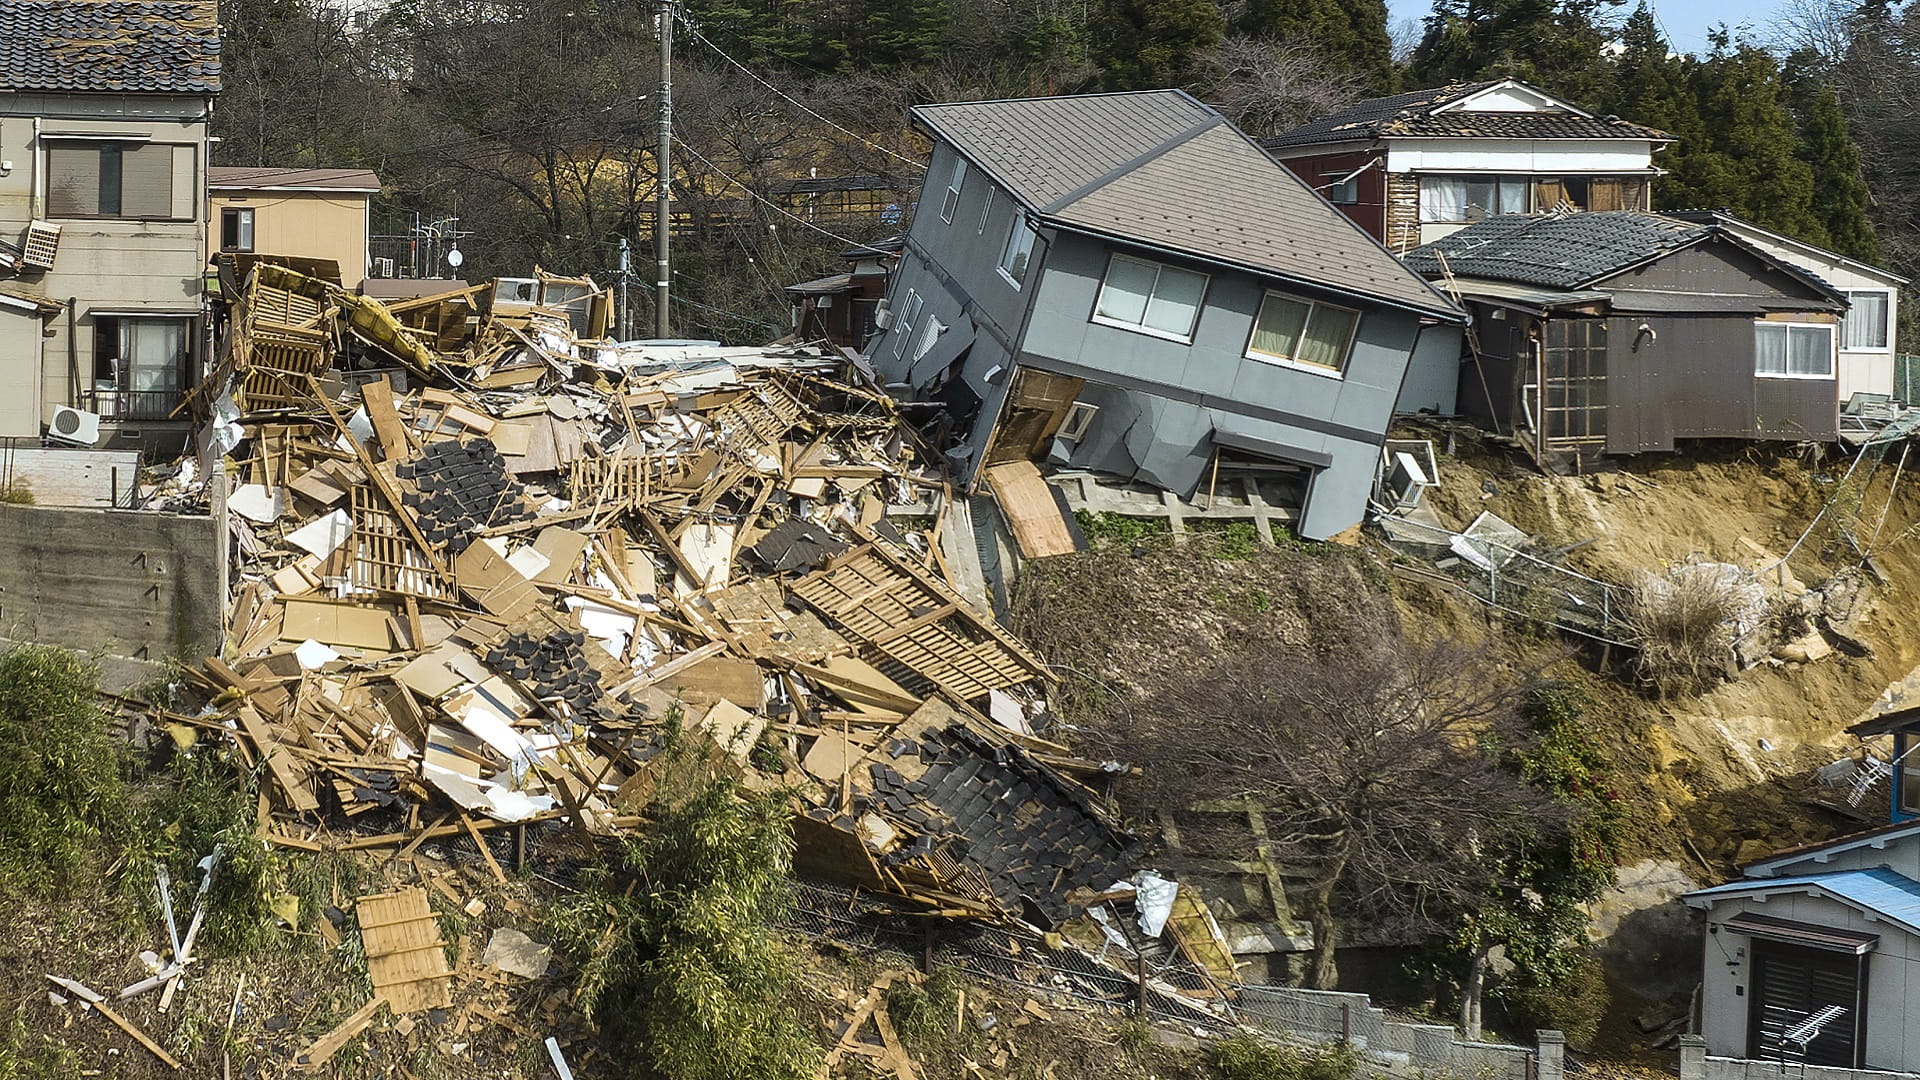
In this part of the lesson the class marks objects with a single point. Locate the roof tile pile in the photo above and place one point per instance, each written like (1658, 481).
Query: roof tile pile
(110, 46)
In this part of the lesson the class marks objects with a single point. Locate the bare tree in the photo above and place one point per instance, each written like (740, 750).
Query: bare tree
(1372, 764)
(1266, 87)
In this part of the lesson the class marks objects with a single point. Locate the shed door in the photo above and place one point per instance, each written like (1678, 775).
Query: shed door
(1573, 383)
(1791, 983)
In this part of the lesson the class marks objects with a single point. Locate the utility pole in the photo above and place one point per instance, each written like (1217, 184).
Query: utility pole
(663, 178)
(625, 325)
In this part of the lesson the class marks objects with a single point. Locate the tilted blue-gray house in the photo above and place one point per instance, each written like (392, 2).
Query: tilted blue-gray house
(1125, 283)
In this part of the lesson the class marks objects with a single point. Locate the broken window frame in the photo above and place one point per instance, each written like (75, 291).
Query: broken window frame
(1293, 358)
(950, 202)
(105, 166)
(1079, 419)
(236, 228)
(1765, 367)
(1105, 316)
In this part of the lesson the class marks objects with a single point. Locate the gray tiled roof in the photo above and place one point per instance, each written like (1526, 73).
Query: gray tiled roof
(1413, 115)
(1159, 168)
(109, 46)
(1562, 251)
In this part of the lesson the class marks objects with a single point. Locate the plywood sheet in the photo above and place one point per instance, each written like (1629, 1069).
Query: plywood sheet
(1036, 519)
(347, 625)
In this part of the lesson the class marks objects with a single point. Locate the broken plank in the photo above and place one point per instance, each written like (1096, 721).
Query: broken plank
(480, 842)
(99, 1003)
(377, 396)
(321, 1050)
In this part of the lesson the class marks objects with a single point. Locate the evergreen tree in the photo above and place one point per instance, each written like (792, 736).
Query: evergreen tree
(1839, 193)
(1752, 168)
(1556, 44)
(1149, 44)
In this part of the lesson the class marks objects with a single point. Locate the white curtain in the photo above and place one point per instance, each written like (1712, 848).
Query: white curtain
(153, 354)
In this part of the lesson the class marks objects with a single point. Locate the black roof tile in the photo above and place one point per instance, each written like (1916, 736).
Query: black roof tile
(110, 46)
(1414, 115)
(1561, 251)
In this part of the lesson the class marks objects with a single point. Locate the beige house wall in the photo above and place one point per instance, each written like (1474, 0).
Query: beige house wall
(309, 224)
(152, 266)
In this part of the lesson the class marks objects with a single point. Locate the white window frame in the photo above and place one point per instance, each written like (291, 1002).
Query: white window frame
(986, 211)
(1466, 207)
(1886, 328)
(1832, 332)
(1079, 418)
(1346, 351)
(1019, 228)
(909, 310)
(1338, 187)
(950, 202)
(244, 218)
(1206, 282)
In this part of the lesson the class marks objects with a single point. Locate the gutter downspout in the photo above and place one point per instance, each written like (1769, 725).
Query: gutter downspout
(33, 192)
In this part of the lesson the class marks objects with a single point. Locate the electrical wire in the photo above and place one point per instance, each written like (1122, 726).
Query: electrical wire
(751, 74)
(757, 197)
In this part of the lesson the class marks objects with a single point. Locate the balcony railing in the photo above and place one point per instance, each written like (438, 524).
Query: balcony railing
(132, 404)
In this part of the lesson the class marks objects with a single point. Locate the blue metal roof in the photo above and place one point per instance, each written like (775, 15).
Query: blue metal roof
(1880, 891)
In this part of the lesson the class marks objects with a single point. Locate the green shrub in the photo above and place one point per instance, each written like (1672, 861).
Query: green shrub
(1107, 527)
(689, 979)
(63, 788)
(1572, 1001)
(1246, 1058)
(203, 803)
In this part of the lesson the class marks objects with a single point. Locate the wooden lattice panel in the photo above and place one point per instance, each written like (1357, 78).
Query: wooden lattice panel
(386, 558)
(901, 615)
(624, 479)
(406, 959)
(763, 416)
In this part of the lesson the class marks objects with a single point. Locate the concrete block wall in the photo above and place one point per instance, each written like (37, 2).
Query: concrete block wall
(1327, 1016)
(1695, 1064)
(135, 584)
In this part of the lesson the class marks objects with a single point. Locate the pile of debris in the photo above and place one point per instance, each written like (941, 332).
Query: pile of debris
(486, 557)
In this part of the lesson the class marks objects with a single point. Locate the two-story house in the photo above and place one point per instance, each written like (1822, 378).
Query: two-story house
(103, 151)
(323, 214)
(1126, 284)
(1414, 167)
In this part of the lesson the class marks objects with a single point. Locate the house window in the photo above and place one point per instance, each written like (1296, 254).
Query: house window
(1018, 253)
(909, 311)
(139, 366)
(129, 181)
(1457, 199)
(1792, 350)
(1344, 192)
(1079, 418)
(1909, 791)
(1307, 333)
(1150, 298)
(1865, 324)
(952, 200)
(986, 210)
(236, 228)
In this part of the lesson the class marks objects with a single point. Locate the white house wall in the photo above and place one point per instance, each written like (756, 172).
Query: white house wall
(1860, 370)
(1571, 156)
(1893, 973)
(1902, 857)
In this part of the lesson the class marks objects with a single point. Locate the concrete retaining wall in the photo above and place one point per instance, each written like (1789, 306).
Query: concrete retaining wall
(129, 583)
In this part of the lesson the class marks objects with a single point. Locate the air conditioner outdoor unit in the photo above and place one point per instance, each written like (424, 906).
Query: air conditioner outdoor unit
(74, 426)
(383, 268)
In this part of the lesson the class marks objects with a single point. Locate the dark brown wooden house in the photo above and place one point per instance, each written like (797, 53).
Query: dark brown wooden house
(1624, 332)
(840, 307)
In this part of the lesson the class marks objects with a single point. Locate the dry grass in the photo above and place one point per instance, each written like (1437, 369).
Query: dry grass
(1684, 625)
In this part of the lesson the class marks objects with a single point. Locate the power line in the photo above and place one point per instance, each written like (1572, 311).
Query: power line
(751, 74)
(757, 197)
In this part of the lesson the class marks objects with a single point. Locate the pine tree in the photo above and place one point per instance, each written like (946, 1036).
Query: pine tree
(1149, 44)
(1839, 193)
(1744, 109)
